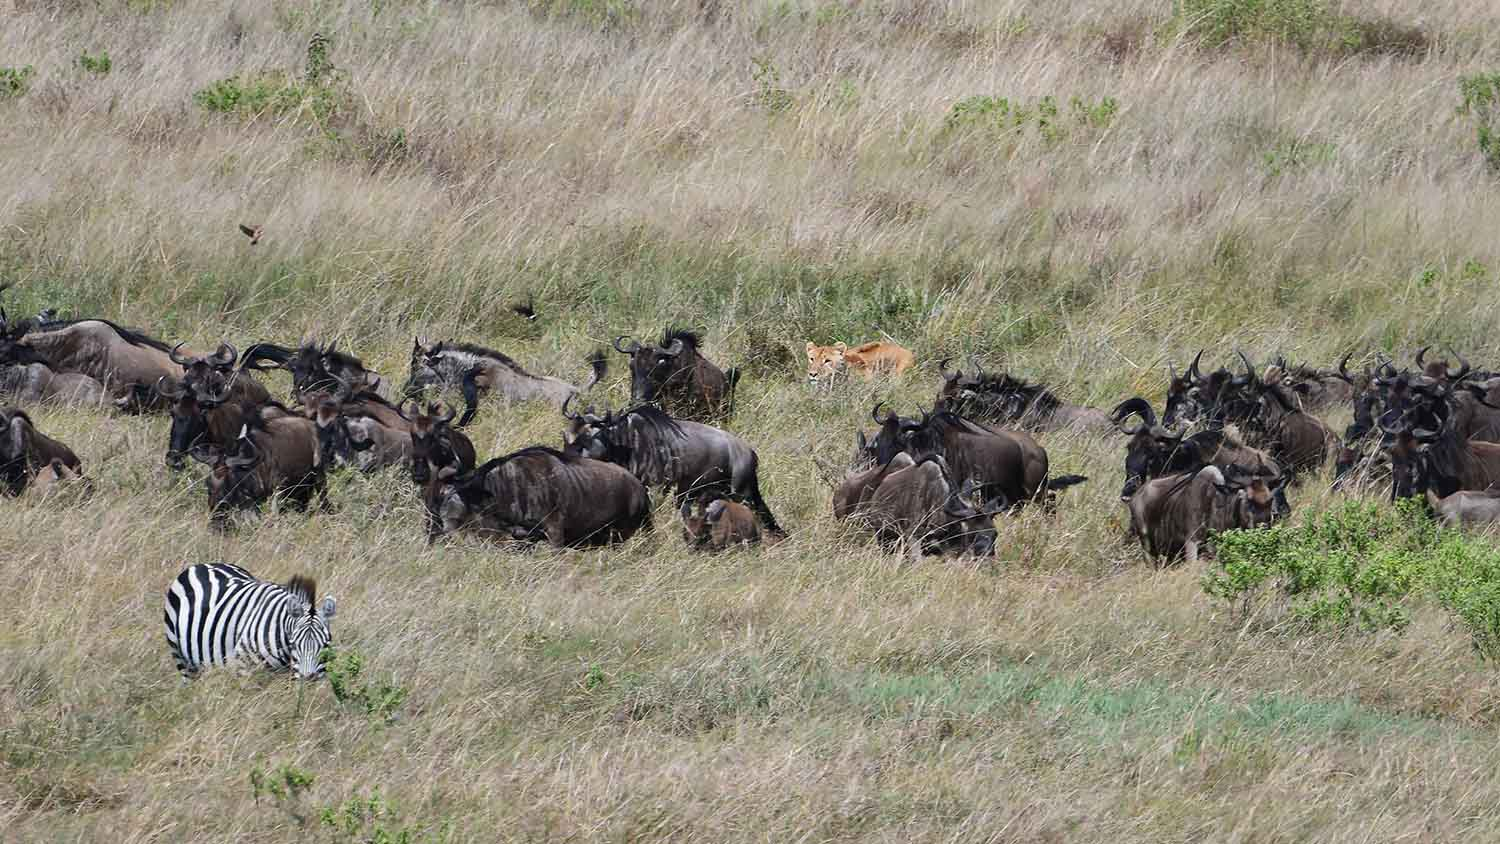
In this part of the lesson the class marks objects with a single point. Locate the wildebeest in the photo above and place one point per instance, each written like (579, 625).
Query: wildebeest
(539, 493)
(436, 446)
(1172, 516)
(38, 382)
(125, 362)
(25, 451)
(1002, 399)
(721, 524)
(1008, 466)
(360, 439)
(858, 486)
(1467, 508)
(1153, 451)
(212, 412)
(1441, 461)
(314, 367)
(1316, 388)
(270, 457)
(923, 506)
(1296, 439)
(676, 376)
(691, 458)
(476, 370)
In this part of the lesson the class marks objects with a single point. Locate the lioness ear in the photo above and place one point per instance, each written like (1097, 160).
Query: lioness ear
(811, 348)
(840, 346)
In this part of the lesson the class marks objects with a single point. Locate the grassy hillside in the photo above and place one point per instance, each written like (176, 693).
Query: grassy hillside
(1080, 192)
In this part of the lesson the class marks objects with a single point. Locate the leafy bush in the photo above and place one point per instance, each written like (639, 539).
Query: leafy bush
(1311, 25)
(376, 820)
(15, 80)
(1358, 566)
(320, 94)
(1001, 115)
(283, 787)
(98, 65)
(344, 670)
(1478, 98)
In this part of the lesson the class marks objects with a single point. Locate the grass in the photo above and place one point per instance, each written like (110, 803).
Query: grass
(770, 173)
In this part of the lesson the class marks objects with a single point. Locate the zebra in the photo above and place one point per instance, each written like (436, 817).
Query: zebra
(218, 613)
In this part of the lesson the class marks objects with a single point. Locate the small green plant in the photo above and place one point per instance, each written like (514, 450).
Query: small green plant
(283, 787)
(1003, 116)
(1308, 25)
(1298, 154)
(344, 670)
(14, 81)
(1479, 96)
(769, 94)
(375, 820)
(99, 65)
(318, 66)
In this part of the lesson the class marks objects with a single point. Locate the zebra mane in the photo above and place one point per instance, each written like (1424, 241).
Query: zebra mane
(305, 588)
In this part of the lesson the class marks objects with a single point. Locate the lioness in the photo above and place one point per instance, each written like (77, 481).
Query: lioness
(827, 362)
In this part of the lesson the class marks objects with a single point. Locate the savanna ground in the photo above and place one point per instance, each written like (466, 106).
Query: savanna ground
(1279, 175)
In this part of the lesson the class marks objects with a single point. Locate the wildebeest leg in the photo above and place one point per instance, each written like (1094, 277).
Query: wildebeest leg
(471, 396)
(762, 510)
(1190, 551)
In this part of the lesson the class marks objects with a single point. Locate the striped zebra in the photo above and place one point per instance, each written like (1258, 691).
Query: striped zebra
(218, 613)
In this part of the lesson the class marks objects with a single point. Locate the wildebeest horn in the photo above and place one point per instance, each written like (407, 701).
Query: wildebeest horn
(1344, 368)
(1422, 435)
(1249, 368)
(943, 370)
(1193, 372)
(1171, 370)
(445, 418)
(173, 392)
(875, 414)
(571, 417)
(1135, 406)
(225, 356)
(675, 349)
(1385, 368)
(1463, 367)
(634, 346)
(179, 358)
(1421, 353)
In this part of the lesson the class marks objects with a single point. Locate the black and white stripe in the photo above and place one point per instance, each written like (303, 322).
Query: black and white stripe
(217, 613)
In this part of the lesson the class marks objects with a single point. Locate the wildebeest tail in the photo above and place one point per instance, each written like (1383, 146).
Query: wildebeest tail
(257, 356)
(1064, 481)
(732, 379)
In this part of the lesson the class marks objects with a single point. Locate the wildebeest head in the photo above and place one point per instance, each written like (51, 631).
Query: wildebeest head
(1151, 446)
(1439, 370)
(313, 367)
(591, 435)
(233, 483)
(1182, 405)
(436, 446)
(339, 441)
(1409, 448)
(1254, 501)
(207, 371)
(664, 367)
(423, 372)
(305, 627)
(966, 529)
(890, 435)
(190, 408)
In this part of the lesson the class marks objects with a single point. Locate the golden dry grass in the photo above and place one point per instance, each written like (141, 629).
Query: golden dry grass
(623, 164)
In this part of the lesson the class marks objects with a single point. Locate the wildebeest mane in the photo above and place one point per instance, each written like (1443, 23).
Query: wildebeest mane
(478, 351)
(654, 417)
(686, 335)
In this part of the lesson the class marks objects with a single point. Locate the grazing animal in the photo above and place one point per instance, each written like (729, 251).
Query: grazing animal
(126, 362)
(691, 458)
(217, 613)
(1172, 516)
(212, 414)
(25, 451)
(1154, 451)
(1441, 461)
(676, 376)
(922, 507)
(858, 486)
(1296, 439)
(314, 367)
(1000, 399)
(721, 524)
(1467, 508)
(476, 370)
(270, 456)
(358, 439)
(538, 494)
(825, 363)
(436, 446)
(38, 382)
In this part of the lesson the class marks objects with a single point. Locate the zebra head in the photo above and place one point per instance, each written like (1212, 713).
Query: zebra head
(305, 627)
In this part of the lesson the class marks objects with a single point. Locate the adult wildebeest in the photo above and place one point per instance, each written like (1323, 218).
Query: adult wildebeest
(360, 439)
(437, 448)
(1008, 466)
(476, 370)
(1297, 440)
(25, 451)
(539, 493)
(1315, 388)
(38, 382)
(270, 457)
(691, 458)
(922, 506)
(1441, 461)
(721, 524)
(1153, 451)
(676, 376)
(125, 362)
(1172, 516)
(858, 486)
(1001, 399)
(212, 412)
(314, 367)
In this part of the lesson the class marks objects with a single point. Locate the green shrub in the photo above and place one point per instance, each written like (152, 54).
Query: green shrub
(98, 65)
(375, 820)
(320, 94)
(344, 670)
(769, 94)
(1310, 25)
(1478, 98)
(14, 81)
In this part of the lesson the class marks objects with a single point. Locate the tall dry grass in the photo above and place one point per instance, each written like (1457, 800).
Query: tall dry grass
(777, 168)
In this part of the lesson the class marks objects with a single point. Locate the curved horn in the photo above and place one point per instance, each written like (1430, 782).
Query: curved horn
(179, 358)
(1421, 353)
(1193, 372)
(571, 417)
(1344, 368)
(1135, 406)
(1249, 368)
(173, 392)
(634, 346)
(225, 356)
(675, 349)
(943, 370)
(447, 416)
(1463, 367)
(875, 414)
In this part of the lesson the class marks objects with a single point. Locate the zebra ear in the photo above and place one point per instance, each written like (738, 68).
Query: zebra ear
(329, 607)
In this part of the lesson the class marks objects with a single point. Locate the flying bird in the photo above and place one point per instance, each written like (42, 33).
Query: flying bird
(252, 232)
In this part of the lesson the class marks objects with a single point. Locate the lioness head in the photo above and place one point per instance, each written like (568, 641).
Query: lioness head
(824, 362)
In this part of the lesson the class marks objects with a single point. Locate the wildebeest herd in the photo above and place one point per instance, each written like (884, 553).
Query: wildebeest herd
(1220, 456)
